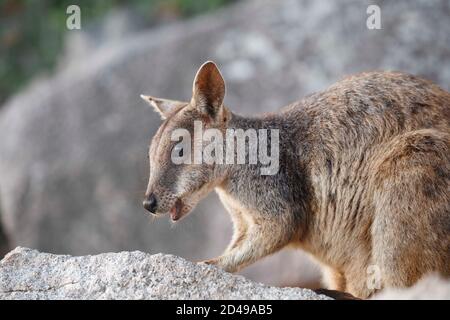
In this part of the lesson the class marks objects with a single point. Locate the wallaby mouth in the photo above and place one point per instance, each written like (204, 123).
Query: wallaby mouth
(177, 210)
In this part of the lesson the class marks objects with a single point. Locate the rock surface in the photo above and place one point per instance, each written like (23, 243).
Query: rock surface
(73, 163)
(28, 274)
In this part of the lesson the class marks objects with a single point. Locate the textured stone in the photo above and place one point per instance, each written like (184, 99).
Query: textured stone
(29, 274)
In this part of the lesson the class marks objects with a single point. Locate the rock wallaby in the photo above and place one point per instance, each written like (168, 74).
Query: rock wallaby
(363, 179)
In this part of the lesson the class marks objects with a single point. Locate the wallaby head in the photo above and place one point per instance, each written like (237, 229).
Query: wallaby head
(175, 187)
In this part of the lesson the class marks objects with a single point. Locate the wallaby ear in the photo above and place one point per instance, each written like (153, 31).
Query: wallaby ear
(163, 106)
(208, 89)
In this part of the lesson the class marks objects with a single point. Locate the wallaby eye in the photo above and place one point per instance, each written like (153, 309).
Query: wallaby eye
(178, 150)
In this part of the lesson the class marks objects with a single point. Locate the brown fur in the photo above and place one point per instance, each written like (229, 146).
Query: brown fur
(364, 178)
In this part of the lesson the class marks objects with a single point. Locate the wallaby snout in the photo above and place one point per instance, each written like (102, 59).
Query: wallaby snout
(150, 203)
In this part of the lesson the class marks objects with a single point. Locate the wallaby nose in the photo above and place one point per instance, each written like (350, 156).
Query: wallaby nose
(150, 203)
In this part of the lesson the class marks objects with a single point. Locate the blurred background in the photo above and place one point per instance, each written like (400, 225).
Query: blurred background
(74, 132)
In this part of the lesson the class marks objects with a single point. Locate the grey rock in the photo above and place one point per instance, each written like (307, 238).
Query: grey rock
(73, 147)
(29, 274)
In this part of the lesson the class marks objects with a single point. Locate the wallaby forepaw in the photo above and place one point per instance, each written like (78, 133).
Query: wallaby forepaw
(213, 262)
(219, 263)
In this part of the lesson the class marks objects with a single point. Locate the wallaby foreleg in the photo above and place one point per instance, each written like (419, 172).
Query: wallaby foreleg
(259, 240)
